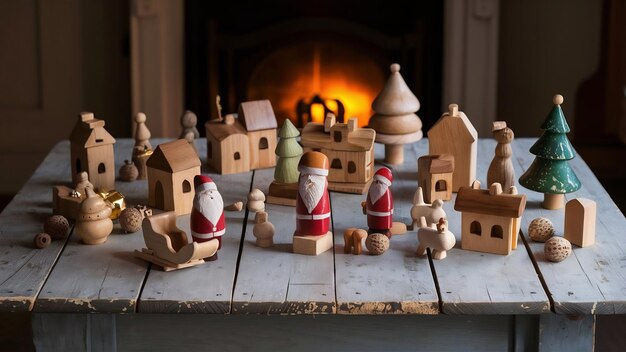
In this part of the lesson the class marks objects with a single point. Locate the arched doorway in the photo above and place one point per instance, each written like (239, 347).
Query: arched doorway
(159, 197)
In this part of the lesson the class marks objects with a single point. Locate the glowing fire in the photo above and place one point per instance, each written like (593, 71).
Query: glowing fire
(328, 70)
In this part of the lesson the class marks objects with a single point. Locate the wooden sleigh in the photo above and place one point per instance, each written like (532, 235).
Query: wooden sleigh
(168, 246)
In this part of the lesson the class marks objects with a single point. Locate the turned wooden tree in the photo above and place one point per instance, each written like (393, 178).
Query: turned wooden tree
(550, 172)
(284, 189)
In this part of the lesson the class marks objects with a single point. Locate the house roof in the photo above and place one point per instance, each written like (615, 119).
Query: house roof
(481, 202)
(221, 130)
(174, 156)
(359, 140)
(257, 115)
(90, 132)
(438, 164)
(450, 127)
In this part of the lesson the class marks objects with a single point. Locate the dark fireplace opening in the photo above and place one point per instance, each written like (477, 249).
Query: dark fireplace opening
(310, 58)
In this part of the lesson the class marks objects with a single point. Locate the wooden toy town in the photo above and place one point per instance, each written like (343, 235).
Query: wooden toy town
(328, 156)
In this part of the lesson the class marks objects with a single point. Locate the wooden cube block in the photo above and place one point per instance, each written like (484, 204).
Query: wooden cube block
(312, 245)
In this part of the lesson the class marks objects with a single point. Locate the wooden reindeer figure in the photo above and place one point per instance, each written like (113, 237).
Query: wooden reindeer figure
(439, 240)
(142, 149)
(501, 169)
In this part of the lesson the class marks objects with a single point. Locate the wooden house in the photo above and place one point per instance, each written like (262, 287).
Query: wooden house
(454, 134)
(257, 117)
(489, 218)
(171, 169)
(434, 175)
(91, 150)
(243, 143)
(349, 149)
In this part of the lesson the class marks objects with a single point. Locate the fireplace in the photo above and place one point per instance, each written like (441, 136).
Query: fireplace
(310, 58)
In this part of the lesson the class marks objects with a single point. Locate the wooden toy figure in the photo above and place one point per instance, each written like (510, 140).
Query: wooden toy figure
(188, 121)
(439, 240)
(379, 203)
(550, 172)
(501, 167)
(142, 149)
(312, 235)
(207, 220)
(395, 120)
(580, 222)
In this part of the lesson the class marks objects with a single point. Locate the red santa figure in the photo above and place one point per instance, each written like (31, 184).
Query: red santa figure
(312, 201)
(207, 215)
(379, 204)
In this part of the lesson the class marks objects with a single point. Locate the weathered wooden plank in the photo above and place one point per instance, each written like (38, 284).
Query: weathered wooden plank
(482, 283)
(99, 278)
(325, 332)
(562, 333)
(206, 288)
(275, 280)
(396, 282)
(74, 332)
(23, 268)
(593, 279)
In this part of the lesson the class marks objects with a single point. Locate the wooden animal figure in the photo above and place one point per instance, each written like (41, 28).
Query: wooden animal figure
(91, 149)
(501, 167)
(489, 218)
(439, 240)
(353, 240)
(142, 149)
(550, 172)
(580, 222)
(207, 219)
(313, 235)
(379, 203)
(169, 247)
(395, 120)
(93, 224)
(171, 169)
(454, 134)
(263, 230)
(434, 175)
(424, 214)
(188, 121)
(349, 148)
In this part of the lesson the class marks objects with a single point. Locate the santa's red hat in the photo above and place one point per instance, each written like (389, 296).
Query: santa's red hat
(384, 175)
(202, 182)
(314, 163)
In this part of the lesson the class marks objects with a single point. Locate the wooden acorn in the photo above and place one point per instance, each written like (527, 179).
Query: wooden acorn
(540, 229)
(557, 249)
(128, 171)
(93, 224)
(377, 243)
(42, 240)
(56, 226)
(130, 220)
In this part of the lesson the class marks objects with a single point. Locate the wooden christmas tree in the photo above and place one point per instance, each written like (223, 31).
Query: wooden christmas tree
(395, 121)
(285, 186)
(550, 172)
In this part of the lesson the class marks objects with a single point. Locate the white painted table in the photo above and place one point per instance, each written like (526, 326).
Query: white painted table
(269, 299)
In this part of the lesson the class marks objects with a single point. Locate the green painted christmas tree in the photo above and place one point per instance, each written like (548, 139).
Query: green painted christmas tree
(289, 153)
(550, 172)
(284, 189)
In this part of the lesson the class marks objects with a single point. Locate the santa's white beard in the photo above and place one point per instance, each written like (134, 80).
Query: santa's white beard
(311, 190)
(377, 190)
(210, 204)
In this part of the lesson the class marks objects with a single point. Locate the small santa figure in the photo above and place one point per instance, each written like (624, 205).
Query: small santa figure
(379, 203)
(312, 201)
(207, 215)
